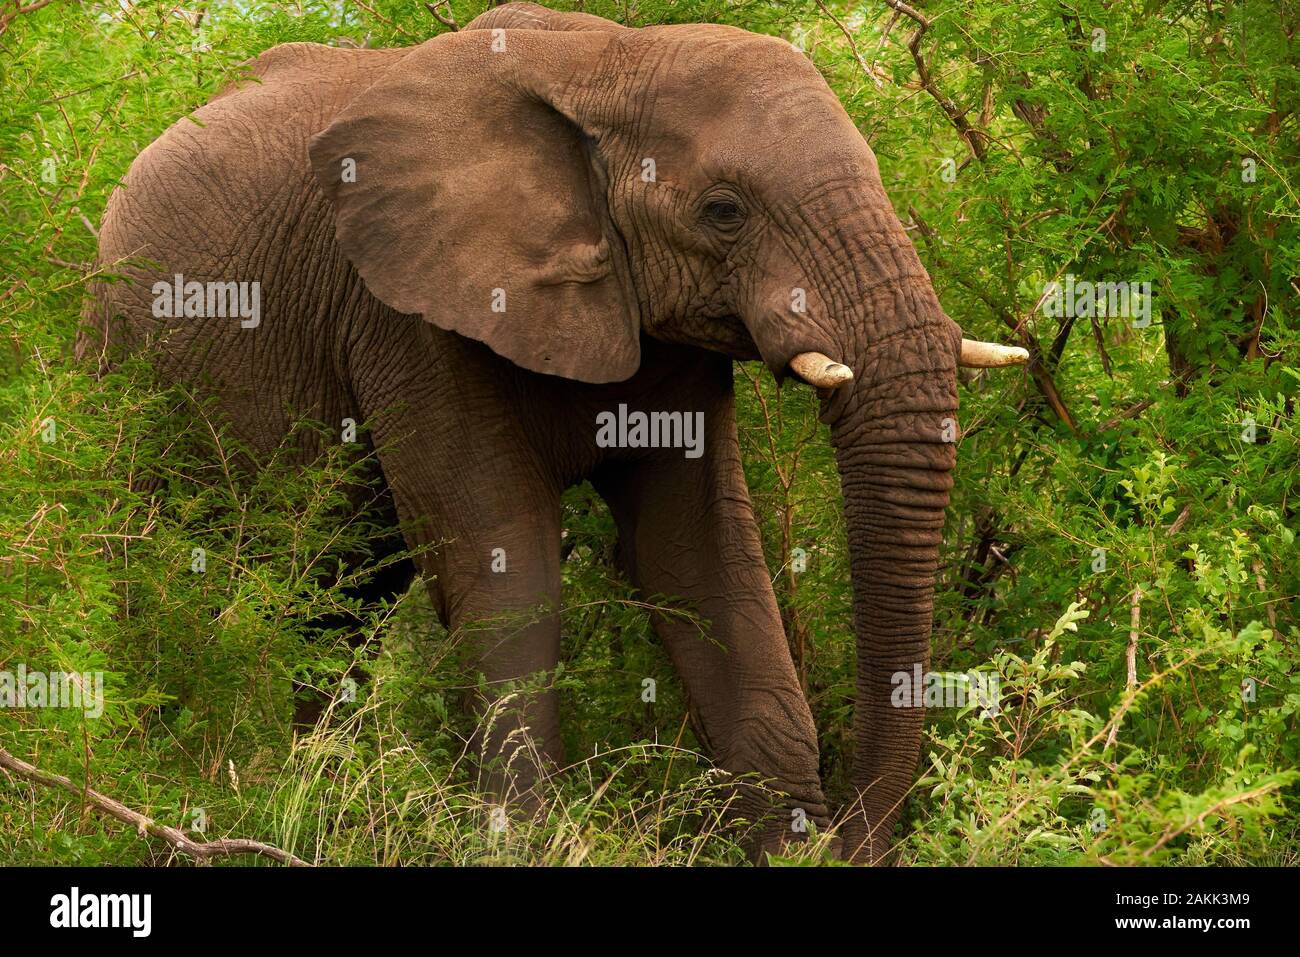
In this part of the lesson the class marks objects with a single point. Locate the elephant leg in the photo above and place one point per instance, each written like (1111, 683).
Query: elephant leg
(481, 511)
(687, 534)
(499, 588)
(485, 526)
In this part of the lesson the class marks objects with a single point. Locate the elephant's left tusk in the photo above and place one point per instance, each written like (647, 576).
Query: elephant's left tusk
(990, 355)
(821, 371)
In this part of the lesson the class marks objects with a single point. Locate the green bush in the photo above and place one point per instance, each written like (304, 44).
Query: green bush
(1120, 550)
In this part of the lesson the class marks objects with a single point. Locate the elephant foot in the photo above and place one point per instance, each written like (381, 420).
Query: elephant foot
(860, 844)
(780, 825)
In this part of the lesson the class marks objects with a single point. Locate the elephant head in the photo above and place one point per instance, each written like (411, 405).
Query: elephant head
(557, 186)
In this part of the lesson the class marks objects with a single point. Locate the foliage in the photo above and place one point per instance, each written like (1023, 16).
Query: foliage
(1117, 551)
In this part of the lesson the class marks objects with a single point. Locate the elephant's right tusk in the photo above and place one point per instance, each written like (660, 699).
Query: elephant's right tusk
(821, 371)
(990, 355)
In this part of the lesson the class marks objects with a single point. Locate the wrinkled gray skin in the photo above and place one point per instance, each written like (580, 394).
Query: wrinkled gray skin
(521, 169)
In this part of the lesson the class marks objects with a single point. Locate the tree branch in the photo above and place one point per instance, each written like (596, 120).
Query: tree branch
(144, 825)
(1038, 370)
(1216, 808)
(853, 46)
(956, 116)
(448, 21)
(383, 19)
(1130, 656)
(1131, 412)
(18, 10)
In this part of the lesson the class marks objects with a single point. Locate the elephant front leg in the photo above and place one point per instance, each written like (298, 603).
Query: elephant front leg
(687, 535)
(482, 508)
(500, 591)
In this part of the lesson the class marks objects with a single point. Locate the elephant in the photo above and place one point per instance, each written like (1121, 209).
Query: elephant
(500, 245)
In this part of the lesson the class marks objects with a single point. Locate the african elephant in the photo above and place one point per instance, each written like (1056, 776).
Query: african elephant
(485, 245)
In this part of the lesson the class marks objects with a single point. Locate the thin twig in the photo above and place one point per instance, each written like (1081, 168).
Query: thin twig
(1101, 347)
(1134, 627)
(889, 27)
(1173, 832)
(224, 847)
(853, 46)
(383, 19)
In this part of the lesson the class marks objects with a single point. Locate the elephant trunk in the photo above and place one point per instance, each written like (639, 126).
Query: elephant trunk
(894, 433)
(871, 307)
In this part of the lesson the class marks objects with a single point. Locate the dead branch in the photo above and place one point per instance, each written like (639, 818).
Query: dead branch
(224, 847)
(1258, 569)
(1134, 626)
(449, 21)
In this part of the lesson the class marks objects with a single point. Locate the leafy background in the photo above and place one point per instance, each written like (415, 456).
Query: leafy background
(1149, 701)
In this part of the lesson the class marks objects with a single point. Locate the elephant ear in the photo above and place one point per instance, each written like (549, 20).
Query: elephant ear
(467, 190)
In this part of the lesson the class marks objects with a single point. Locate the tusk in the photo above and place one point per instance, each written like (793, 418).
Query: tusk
(990, 355)
(821, 371)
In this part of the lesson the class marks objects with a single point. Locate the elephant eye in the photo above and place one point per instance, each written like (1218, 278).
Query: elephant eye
(725, 214)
